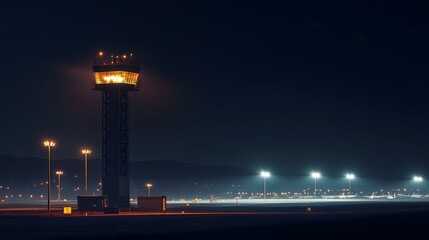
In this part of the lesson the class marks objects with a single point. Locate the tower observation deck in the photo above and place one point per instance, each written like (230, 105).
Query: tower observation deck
(115, 76)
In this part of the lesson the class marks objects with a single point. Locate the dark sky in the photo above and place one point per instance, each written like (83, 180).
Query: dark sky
(293, 87)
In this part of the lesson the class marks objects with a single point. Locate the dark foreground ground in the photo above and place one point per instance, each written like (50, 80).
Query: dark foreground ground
(270, 221)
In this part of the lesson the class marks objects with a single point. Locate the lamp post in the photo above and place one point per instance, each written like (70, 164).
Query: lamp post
(265, 175)
(315, 175)
(149, 185)
(350, 177)
(85, 152)
(417, 180)
(59, 173)
(49, 144)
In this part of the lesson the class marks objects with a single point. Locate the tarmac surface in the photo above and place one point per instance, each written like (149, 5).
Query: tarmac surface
(326, 220)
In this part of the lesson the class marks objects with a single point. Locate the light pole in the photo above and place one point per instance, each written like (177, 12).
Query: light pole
(315, 175)
(85, 152)
(49, 144)
(265, 175)
(59, 173)
(417, 180)
(350, 177)
(149, 185)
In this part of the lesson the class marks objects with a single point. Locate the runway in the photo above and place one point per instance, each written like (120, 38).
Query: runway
(202, 221)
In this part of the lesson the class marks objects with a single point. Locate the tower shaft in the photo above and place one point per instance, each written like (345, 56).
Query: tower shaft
(115, 77)
(116, 146)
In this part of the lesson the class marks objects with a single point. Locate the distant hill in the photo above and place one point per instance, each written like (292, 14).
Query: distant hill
(168, 177)
(172, 170)
(29, 168)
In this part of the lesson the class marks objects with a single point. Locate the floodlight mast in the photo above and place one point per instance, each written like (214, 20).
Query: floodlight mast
(49, 144)
(417, 180)
(115, 77)
(59, 173)
(315, 175)
(350, 177)
(265, 175)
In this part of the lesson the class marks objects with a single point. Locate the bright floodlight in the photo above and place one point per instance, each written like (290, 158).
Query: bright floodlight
(315, 175)
(86, 151)
(49, 143)
(350, 176)
(418, 179)
(265, 174)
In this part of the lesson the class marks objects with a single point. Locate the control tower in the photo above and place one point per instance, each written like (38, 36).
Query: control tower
(115, 76)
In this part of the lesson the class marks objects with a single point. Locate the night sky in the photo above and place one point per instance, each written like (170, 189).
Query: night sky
(294, 87)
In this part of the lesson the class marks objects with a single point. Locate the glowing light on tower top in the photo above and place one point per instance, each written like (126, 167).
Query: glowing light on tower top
(120, 70)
